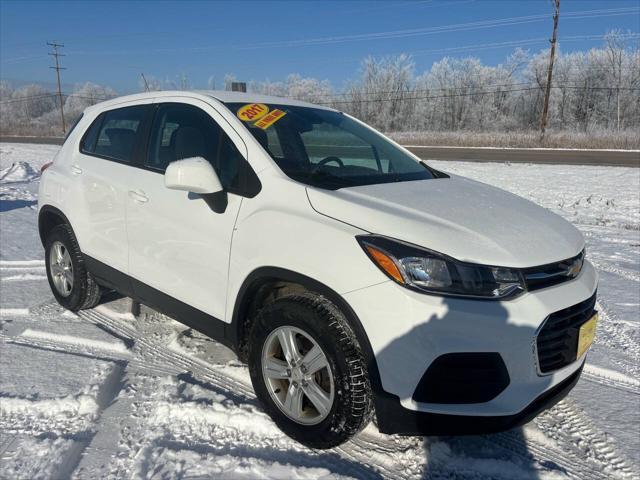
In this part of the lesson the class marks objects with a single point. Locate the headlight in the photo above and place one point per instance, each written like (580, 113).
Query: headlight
(431, 272)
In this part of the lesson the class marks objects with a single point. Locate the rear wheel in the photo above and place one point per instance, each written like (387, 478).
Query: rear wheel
(308, 371)
(72, 285)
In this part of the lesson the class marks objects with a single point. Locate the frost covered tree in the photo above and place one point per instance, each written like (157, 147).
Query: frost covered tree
(34, 110)
(295, 86)
(592, 91)
(383, 93)
(84, 96)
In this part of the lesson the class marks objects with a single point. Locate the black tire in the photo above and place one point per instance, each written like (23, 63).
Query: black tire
(85, 292)
(352, 406)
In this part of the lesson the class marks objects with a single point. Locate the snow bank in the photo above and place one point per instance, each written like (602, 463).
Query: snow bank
(18, 172)
(71, 406)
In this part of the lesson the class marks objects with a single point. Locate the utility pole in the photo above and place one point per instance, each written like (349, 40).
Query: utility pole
(146, 85)
(55, 54)
(554, 37)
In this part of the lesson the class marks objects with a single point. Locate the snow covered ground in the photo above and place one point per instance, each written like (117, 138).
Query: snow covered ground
(103, 394)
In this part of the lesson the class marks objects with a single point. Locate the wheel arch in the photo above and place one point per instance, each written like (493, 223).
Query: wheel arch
(48, 218)
(250, 292)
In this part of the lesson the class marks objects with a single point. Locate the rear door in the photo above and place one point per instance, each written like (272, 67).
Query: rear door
(179, 243)
(101, 171)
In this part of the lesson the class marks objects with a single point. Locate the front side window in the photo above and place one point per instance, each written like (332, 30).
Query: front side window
(115, 133)
(327, 149)
(183, 131)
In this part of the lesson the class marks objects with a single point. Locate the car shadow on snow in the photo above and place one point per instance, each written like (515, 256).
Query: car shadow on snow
(501, 455)
(8, 205)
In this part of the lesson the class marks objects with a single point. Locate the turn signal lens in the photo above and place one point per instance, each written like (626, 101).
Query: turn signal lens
(385, 262)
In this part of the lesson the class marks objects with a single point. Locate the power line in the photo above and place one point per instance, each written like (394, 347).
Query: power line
(50, 95)
(453, 88)
(466, 94)
(501, 22)
(491, 23)
(55, 54)
(374, 100)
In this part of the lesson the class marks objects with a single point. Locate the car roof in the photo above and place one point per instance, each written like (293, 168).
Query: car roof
(220, 95)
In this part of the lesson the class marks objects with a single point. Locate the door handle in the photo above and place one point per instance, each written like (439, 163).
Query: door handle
(138, 196)
(76, 170)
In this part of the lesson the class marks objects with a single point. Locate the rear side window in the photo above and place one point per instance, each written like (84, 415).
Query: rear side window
(115, 134)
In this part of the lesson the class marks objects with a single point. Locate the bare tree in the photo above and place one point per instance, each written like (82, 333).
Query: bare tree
(615, 48)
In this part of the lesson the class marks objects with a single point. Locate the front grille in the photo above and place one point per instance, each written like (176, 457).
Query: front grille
(557, 341)
(553, 273)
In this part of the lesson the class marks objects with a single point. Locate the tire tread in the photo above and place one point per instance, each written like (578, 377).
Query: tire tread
(88, 291)
(357, 405)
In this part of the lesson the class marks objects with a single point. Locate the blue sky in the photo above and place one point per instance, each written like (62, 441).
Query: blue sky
(110, 43)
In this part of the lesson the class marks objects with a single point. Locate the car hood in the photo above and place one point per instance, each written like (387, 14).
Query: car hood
(462, 218)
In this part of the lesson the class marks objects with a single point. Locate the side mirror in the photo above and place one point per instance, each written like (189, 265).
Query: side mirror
(192, 175)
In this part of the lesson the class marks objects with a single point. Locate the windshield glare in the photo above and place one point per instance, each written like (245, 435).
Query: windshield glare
(326, 149)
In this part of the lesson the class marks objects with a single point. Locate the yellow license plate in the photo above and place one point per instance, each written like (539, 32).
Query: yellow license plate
(586, 335)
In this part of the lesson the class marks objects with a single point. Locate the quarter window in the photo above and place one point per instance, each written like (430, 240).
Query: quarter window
(183, 131)
(73, 127)
(88, 142)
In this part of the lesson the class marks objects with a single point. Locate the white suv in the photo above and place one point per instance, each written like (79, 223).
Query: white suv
(351, 276)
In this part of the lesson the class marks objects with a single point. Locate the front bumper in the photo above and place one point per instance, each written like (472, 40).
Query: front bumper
(394, 419)
(408, 331)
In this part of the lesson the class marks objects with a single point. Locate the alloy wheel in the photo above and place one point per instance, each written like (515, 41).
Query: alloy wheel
(61, 268)
(298, 375)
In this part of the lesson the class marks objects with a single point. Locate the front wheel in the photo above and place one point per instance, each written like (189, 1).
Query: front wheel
(308, 371)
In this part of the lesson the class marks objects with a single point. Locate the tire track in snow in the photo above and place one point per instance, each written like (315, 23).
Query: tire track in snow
(199, 369)
(621, 272)
(352, 450)
(89, 352)
(617, 336)
(582, 440)
(360, 449)
(570, 464)
(6, 439)
(596, 376)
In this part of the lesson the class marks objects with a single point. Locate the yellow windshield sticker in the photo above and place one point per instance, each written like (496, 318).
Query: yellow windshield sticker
(269, 119)
(252, 112)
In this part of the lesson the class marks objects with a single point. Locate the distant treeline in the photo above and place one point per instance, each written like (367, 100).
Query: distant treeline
(592, 91)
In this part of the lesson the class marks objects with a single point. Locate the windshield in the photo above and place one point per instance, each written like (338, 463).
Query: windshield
(327, 149)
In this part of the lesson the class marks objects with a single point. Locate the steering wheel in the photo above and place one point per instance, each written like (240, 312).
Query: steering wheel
(329, 159)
